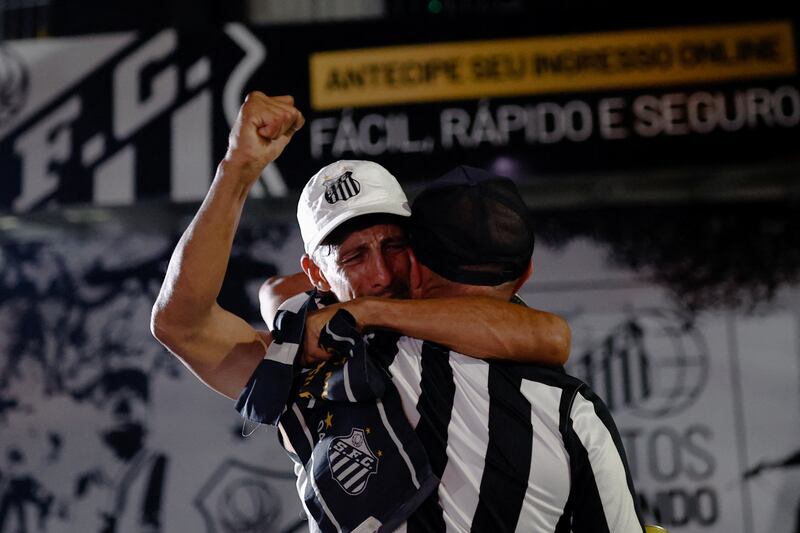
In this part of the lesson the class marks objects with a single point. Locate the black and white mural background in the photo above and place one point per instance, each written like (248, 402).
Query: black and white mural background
(103, 431)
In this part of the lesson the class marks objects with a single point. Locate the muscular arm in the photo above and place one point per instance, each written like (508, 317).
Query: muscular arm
(473, 325)
(481, 327)
(215, 344)
(219, 347)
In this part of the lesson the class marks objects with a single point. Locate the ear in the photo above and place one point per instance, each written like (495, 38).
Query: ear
(524, 277)
(315, 275)
(415, 275)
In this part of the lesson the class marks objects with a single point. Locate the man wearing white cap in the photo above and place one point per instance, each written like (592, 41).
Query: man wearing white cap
(353, 194)
(223, 350)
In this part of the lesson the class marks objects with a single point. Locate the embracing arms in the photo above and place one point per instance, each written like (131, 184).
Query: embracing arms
(481, 327)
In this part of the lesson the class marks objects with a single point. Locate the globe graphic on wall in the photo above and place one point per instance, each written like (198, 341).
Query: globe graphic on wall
(13, 83)
(248, 505)
(654, 363)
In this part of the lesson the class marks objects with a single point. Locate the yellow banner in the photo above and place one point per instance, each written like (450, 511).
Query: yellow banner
(506, 67)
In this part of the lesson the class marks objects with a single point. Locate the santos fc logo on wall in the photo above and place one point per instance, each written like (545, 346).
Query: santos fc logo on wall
(342, 188)
(653, 364)
(352, 462)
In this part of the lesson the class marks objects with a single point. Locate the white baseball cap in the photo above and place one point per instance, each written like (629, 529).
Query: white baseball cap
(344, 190)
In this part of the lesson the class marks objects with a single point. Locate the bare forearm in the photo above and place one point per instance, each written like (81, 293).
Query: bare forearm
(263, 128)
(478, 326)
(198, 264)
(219, 347)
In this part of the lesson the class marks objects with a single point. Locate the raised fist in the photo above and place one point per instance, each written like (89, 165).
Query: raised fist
(263, 128)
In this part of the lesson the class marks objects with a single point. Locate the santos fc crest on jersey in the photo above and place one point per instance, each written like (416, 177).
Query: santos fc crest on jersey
(352, 462)
(342, 188)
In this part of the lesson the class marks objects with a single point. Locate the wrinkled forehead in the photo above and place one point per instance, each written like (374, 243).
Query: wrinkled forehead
(372, 236)
(375, 237)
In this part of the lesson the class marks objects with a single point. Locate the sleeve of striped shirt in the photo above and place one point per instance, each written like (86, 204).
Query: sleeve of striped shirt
(602, 498)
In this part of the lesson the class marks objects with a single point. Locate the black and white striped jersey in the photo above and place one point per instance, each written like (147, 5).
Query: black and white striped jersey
(359, 464)
(517, 447)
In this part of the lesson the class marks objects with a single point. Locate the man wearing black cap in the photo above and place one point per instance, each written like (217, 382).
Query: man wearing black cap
(472, 234)
(516, 447)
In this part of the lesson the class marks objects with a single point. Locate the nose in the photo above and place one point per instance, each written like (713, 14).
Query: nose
(380, 274)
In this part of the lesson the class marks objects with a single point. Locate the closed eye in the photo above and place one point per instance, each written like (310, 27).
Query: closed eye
(351, 258)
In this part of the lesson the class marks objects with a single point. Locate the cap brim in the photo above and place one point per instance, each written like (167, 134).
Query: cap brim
(368, 209)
